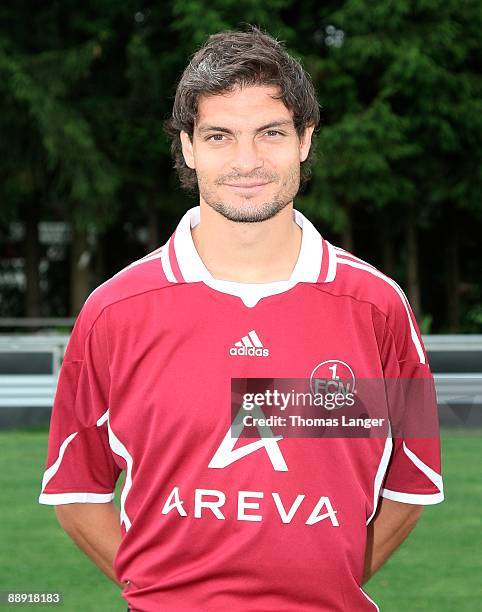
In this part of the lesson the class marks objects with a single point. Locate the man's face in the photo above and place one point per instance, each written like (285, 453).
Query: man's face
(246, 153)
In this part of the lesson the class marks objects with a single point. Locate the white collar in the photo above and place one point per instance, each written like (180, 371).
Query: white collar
(185, 258)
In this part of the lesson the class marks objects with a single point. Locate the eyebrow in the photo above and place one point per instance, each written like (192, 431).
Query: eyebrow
(216, 128)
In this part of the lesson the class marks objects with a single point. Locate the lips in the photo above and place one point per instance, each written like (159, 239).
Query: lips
(245, 185)
(247, 189)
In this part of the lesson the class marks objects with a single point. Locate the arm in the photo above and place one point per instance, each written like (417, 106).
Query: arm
(392, 524)
(95, 528)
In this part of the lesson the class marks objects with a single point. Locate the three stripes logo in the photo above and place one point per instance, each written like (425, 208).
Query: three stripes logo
(250, 346)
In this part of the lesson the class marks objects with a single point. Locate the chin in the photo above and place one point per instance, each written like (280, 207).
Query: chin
(248, 211)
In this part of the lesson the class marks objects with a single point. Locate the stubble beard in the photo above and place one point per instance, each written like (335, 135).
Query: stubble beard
(247, 212)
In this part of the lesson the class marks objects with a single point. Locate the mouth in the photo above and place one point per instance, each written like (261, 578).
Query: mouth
(246, 187)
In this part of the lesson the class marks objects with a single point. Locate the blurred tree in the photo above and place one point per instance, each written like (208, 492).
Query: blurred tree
(52, 157)
(401, 86)
(86, 86)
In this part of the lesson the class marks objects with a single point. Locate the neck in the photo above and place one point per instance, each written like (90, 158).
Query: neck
(261, 252)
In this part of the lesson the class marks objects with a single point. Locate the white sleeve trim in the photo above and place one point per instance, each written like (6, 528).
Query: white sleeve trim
(54, 499)
(413, 498)
(53, 469)
(423, 467)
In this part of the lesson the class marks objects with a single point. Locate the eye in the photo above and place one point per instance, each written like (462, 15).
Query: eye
(273, 133)
(215, 137)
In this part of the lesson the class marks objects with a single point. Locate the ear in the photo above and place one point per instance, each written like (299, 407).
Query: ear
(305, 142)
(187, 150)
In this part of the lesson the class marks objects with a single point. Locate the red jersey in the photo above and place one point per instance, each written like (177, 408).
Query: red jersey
(211, 522)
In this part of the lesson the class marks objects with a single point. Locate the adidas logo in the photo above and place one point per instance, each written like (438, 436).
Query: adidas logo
(250, 346)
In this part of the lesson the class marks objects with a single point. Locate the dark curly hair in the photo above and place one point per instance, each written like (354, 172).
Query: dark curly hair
(231, 59)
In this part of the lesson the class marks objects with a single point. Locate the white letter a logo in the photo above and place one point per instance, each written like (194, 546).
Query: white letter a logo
(225, 454)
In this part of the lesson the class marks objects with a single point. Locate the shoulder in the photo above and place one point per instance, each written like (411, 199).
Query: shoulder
(361, 280)
(138, 278)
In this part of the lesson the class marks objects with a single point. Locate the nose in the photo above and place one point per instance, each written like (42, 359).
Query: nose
(246, 157)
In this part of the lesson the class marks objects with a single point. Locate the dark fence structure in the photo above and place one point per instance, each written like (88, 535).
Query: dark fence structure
(30, 363)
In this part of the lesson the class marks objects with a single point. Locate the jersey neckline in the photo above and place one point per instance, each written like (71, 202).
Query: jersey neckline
(182, 263)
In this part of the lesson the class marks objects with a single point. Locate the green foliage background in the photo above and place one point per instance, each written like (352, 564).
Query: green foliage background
(85, 87)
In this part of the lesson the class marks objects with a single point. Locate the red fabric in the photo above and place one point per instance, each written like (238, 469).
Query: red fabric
(156, 356)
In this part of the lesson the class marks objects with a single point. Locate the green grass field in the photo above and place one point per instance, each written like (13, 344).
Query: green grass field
(439, 568)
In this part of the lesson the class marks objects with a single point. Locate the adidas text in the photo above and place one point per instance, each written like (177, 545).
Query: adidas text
(249, 351)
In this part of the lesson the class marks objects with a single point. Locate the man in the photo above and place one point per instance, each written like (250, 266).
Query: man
(245, 288)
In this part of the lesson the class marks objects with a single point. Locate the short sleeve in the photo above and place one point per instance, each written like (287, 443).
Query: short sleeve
(414, 471)
(80, 466)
